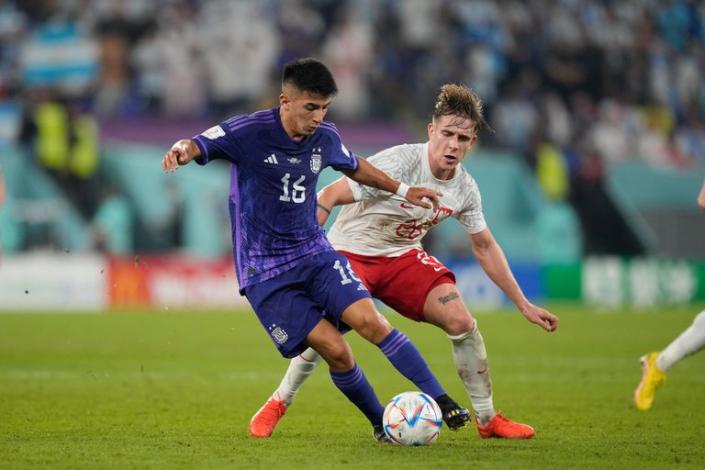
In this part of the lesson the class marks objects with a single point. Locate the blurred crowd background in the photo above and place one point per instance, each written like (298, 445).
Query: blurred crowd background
(584, 99)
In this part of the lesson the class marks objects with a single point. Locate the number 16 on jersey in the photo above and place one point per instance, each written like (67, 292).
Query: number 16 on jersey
(298, 193)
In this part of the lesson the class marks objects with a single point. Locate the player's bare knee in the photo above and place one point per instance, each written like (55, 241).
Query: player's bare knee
(342, 364)
(338, 357)
(372, 331)
(372, 326)
(457, 322)
(379, 334)
(383, 320)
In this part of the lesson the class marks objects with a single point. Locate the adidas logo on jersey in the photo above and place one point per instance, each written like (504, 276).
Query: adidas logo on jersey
(272, 160)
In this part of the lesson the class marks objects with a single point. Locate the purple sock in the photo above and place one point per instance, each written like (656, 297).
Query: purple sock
(402, 353)
(355, 386)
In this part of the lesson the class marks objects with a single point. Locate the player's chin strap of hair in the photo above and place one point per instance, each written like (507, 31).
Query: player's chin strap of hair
(402, 190)
(323, 208)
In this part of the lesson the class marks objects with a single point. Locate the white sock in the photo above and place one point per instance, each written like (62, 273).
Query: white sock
(689, 342)
(470, 359)
(299, 369)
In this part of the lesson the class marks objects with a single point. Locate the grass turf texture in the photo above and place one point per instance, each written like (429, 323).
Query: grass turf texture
(177, 390)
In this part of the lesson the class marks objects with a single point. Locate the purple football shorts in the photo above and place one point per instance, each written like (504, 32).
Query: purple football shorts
(291, 304)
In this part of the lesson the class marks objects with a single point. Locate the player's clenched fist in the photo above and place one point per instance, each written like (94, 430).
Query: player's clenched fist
(182, 152)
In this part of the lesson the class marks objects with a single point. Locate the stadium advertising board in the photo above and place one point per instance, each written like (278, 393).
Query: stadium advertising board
(60, 282)
(608, 282)
(172, 283)
(641, 282)
(52, 282)
(91, 283)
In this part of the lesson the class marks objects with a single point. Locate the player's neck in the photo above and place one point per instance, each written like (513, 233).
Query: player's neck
(289, 128)
(436, 168)
(441, 173)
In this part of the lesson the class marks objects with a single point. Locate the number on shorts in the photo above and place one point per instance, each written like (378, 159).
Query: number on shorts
(344, 279)
(429, 260)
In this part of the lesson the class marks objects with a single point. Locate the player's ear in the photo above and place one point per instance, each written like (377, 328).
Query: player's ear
(430, 129)
(283, 100)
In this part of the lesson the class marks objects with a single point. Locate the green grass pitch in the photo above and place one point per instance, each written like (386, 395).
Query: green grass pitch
(176, 390)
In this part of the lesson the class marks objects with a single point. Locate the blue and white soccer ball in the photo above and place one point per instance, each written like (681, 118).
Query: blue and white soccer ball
(412, 419)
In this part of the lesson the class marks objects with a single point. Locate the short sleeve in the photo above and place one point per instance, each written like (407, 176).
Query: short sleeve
(471, 215)
(218, 142)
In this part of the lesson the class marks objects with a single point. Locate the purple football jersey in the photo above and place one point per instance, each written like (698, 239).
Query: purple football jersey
(273, 189)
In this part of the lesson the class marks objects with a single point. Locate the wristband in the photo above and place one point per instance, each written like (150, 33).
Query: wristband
(402, 190)
(323, 208)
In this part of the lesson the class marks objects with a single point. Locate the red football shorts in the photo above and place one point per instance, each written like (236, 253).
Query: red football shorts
(402, 282)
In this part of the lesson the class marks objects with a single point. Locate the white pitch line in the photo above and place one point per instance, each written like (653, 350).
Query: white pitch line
(38, 374)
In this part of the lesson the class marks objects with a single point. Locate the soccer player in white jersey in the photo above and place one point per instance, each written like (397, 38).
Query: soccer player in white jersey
(381, 236)
(655, 365)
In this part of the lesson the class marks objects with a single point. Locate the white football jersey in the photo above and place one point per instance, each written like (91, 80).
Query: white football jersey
(384, 224)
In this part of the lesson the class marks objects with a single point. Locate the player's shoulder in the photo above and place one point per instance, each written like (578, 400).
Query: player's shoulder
(407, 149)
(328, 128)
(408, 152)
(244, 122)
(466, 181)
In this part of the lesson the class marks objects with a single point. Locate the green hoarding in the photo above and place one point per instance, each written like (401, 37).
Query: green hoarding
(613, 281)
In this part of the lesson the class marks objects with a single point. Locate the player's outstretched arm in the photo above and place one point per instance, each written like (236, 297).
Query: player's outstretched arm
(181, 153)
(701, 197)
(491, 257)
(369, 175)
(335, 194)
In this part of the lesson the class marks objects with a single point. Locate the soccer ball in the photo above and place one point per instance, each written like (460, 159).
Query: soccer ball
(412, 419)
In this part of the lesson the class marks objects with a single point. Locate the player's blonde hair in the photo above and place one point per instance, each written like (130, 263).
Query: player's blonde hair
(459, 100)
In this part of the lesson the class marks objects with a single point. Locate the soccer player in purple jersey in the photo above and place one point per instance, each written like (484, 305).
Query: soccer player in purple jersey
(303, 291)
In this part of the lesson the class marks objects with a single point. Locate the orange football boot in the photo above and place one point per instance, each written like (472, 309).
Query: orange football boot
(265, 420)
(505, 428)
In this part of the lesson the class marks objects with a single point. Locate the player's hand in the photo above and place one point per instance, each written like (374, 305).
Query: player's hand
(423, 197)
(541, 317)
(701, 197)
(179, 154)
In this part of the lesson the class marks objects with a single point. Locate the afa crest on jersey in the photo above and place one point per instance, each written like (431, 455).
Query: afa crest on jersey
(279, 335)
(316, 160)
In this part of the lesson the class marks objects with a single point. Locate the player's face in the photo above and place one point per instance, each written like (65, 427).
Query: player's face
(302, 111)
(449, 140)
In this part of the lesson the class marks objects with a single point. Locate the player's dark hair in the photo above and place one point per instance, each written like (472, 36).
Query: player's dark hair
(310, 75)
(459, 100)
